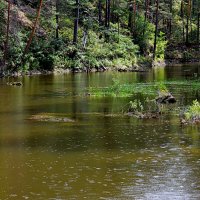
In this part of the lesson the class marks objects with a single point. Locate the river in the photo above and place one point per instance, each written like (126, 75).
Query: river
(98, 155)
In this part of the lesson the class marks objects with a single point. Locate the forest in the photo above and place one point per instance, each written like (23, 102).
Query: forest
(127, 126)
(95, 35)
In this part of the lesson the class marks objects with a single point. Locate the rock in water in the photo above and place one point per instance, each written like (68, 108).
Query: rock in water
(49, 117)
(165, 98)
(15, 83)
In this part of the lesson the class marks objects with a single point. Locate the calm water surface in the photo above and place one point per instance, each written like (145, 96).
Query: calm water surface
(99, 156)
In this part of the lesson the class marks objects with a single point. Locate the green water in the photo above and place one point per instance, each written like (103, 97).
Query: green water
(102, 154)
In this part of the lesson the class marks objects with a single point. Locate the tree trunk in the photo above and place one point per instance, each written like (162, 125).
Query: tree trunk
(182, 16)
(100, 12)
(170, 22)
(198, 24)
(156, 30)
(134, 15)
(57, 21)
(187, 31)
(130, 16)
(75, 37)
(7, 32)
(189, 8)
(107, 17)
(146, 16)
(33, 29)
(146, 10)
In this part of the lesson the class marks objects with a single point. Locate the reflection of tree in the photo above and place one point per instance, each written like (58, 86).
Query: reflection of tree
(74, 93)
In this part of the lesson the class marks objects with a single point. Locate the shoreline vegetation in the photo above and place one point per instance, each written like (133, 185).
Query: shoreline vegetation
(61, 70)
(62, 36)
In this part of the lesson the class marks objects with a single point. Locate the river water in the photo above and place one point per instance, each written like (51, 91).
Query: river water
(100, 155)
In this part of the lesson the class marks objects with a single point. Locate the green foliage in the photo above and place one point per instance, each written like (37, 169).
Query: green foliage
(193, 111)
(161, 87)
(119, 52)
(161, 46)
(127, 42)
(39, 55)
(144, 34)
(135, 106)
(16, 52)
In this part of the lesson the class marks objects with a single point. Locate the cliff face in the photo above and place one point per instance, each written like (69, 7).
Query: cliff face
(22, 16)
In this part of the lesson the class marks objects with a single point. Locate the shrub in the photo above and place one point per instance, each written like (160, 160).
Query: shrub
(192, 114)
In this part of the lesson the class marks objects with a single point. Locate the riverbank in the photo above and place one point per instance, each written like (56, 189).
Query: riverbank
(136, 68)
(59, 70)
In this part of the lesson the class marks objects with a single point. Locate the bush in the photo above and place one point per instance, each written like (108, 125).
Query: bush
(192, 114)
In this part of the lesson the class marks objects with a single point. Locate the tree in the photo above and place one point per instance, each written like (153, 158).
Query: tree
(107, 14)
(198, 24)
(33, 29)
(76, 20)
(7, 31)
(156, 30)
(57, 20)
(170, 21)
(100, 12)
(188, 16)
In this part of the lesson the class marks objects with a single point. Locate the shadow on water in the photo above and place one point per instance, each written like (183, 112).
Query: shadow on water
(103, 154)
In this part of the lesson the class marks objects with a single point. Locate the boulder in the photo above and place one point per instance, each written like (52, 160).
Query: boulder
(165, 98)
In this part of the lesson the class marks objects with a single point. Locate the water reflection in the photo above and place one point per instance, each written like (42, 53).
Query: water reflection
(100, 156)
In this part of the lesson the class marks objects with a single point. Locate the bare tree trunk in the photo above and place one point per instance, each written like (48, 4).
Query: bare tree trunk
(156, 30)
(198, 24)
(182, 16)
(134, 16)
(100, 12)
(130, 16)
(33, 29)
(146, 16)
(107, 17)
(7, 32)
(170, 22)
(189, 8)
(57, 21)
(75, 37)
(187, 31)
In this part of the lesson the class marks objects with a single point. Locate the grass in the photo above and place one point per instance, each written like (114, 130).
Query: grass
(151, 88)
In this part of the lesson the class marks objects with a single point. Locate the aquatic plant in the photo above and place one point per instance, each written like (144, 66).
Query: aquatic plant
(135, 106)
(192, 113)
(161, 87)
(118, 89)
